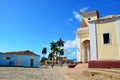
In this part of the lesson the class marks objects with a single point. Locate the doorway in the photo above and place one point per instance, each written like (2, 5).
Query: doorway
(86, 51)
(31, 62)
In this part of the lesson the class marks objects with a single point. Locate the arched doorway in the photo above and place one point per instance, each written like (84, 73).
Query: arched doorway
(86, 51)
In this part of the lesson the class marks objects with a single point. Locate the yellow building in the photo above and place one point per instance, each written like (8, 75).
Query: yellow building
(98, 38)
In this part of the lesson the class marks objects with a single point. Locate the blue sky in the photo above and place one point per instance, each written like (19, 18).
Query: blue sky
(33, 24)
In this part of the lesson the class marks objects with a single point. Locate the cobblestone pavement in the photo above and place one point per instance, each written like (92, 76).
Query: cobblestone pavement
(43, 73)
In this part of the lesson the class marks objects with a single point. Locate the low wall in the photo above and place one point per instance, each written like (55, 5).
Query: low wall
(73, 65)
(104, 64)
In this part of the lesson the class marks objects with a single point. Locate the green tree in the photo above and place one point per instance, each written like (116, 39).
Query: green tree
(62, 52)
(57, 48)
(44, 51)
(60, 45)
(54, 48)
(51, 55)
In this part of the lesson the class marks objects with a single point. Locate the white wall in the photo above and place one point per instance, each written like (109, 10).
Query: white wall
(93, 46)
(78, 48)
(118, 28)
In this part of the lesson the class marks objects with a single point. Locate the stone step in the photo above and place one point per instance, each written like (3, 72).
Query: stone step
(79, 68)
(103, 74)
(82, 65)
(109, 70)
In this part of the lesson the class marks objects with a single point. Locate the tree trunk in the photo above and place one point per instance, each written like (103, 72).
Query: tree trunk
(59, 59)
(56, 58)
(44, 58)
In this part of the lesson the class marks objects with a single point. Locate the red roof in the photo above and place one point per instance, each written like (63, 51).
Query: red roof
(84, 24)
(27, 52)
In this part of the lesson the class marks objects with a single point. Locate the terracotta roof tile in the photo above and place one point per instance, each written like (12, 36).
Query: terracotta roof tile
(83, 24)
(27, 52)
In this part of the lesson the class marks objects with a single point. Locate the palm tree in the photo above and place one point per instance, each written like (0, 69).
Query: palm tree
(54, 48)
(60, 44)
(57, 47)
(62, 52)
(44, 51)
(51, 55)
(52, 45)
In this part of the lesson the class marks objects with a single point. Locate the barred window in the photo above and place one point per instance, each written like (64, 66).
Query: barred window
(106, 38)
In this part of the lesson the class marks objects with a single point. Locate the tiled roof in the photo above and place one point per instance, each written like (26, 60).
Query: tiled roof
(27, 52)
(83, 24)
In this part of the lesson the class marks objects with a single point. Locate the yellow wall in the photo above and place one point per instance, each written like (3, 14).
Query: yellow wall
(119, 52)
(108, 51)
(92, 18)
(83, 36)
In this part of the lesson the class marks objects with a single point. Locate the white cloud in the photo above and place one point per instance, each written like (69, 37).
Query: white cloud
(70, 44)
(73, 54)
(84, 9)
(70, 48)
(68, 51)
(77, 15)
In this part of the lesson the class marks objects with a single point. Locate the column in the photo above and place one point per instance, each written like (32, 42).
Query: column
(118, 31)
(78, 49)
(82, 54)
(93, 42)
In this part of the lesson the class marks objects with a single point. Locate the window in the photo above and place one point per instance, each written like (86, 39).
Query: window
(7, 58)
(106, 38)
(89, 18)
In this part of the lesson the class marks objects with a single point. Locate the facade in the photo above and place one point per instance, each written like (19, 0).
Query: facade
(98, 38)
(105, 43)
(21, 58)
(83, 36)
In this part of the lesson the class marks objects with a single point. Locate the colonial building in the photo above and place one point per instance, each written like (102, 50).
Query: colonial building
(21, 58)
(98, 38)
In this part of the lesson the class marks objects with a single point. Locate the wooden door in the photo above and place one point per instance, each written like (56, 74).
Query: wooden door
(31, 62)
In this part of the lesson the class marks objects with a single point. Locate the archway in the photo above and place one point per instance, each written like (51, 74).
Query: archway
(86, 51)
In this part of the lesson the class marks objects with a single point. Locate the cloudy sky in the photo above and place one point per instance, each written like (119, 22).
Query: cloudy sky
(33, 24)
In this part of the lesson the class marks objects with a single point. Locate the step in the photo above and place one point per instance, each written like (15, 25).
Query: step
(103, 74)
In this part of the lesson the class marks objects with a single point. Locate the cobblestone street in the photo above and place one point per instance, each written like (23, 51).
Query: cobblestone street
(43, 73)
(58, 73)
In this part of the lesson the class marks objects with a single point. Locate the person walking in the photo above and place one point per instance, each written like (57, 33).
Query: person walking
(52, 65)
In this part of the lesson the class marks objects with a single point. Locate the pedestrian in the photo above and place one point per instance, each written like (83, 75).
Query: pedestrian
(52, 65)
